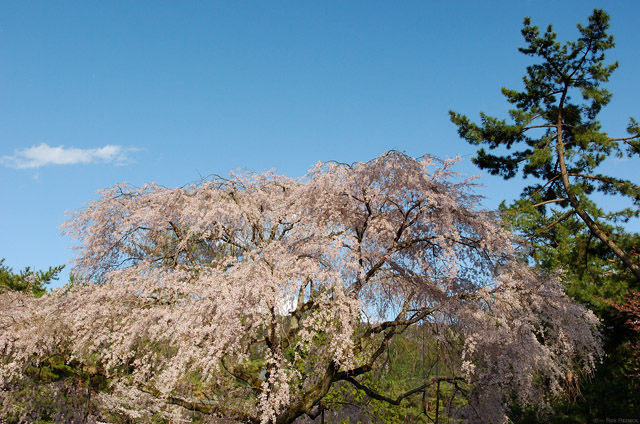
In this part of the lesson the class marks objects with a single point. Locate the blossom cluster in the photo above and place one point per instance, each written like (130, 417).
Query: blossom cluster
(248, 297)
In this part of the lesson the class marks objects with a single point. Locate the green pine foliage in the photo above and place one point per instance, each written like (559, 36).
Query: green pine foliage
(27, 280)
(554, 137)
(554, 140)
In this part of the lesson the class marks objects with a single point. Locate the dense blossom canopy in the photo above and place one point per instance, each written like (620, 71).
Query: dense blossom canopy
(249, 297)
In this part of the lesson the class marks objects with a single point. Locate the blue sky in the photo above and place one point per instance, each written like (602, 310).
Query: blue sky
(93, 93)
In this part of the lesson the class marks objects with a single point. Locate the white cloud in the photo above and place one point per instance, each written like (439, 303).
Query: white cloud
(37, 156)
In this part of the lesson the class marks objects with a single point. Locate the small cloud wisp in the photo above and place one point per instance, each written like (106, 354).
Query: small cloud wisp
(43, 154)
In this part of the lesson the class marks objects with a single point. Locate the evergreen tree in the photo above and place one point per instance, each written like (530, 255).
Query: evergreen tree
(554, 139)
(27, 280)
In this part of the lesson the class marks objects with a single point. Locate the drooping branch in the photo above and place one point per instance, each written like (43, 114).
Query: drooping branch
(246, 377)
(208, 409)
(368, 366)
(398, 400)
(402, 322)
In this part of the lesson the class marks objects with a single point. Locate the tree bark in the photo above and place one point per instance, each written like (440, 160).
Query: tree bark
(575, 204)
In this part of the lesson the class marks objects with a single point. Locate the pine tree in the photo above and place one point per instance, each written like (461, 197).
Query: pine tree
(27, 280)
(554, 139)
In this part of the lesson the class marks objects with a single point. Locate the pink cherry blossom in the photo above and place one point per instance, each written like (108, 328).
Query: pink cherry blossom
(248, 297)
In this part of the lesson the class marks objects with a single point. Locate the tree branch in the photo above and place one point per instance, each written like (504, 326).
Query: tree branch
(575, 204)
(310, 398)
(541, 188)
(186, 250)
(553, 224)
(198, 406)
(375, 395)
(562, 199)
(625, 138)
(540, 126)
(600, 178)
